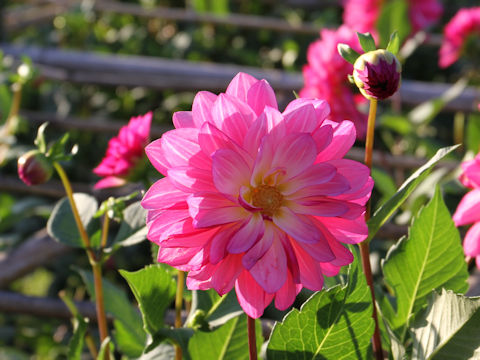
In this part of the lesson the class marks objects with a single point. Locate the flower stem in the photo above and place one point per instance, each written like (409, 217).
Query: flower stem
(178, 309)
(106, 223)
(364, 248)
(252, 340)
(96, 266)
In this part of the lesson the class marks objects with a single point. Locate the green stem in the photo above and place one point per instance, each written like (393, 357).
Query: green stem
(364, 248)
(178, 309)
(106, 223)
(96, 266)
(252, 339)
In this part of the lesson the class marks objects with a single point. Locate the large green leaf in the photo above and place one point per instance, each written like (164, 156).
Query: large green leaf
(154, 290)
(430, 258)
(132, 228)
(332, 324)
(448, 329)
(62, 226)
(230, 341)
(75, 346)
(127, 319)
(387, 209)
(393, 18)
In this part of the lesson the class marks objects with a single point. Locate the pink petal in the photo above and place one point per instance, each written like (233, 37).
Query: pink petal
(323, 136)
(202, 108)
(252, 298)
(343, 138)
(229, 172)
(346, 231)
(316, 174)
(356, 173)
(285, 297)
(299, 227)
(226, 274)
(468, 211)
(163, 195)
(260, 95)
(311, 275)
(328, 269)
(191, 179)
(185, 259)
(471, 244)
(249, 233)
(212, 210)
(183, 119)
(261, 247)
(318, 207)
(218, 247)
(333, 187)
(110, 181)
(240, 85)
(162, 224)
(301, 116)
(275, 123)
(255, 134)
(190, 237)
(270, 272)
(321, 107)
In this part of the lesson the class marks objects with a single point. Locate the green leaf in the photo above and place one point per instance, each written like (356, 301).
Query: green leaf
(384, 184)
(106, 346)
(366, 41)
(398, 123)
(179, 336)
(75, 346)
(430, 258)
(394, 43)
(393, 18)
(154, 290)
(448, 329)
(332, 324)
(472, 138)
(5, 102)
(161, 352)
(387, 210)
(132, 229)
(230, 341)
(118, 305)
(62, 226)
(347, 53)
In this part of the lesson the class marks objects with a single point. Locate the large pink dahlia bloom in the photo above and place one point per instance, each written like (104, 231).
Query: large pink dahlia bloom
(465, 23)
(124, 153)
(362, 15)
(255, 198)
(326, 77)
(468, 211)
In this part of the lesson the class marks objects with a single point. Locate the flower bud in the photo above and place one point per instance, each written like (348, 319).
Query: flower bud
(377, 74)
(34, 168)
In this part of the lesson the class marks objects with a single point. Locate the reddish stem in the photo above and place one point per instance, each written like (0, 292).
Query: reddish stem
(252, 340)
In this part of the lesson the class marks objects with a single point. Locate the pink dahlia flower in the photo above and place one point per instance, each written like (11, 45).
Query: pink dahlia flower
(124, 153)
(326, 77)
(362, 15)
(256, 199)
(465, 23)
(468, 211)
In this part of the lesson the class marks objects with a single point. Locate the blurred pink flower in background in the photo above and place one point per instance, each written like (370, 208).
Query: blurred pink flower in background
(124, 153)
(465, 23)
(254, 198)
(326, 77)
(362, 15)
(468, 211)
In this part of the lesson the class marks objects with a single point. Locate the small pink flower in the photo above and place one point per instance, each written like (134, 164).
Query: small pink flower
(468, 211)
(124, 153)
(326, 77)
(254, 198)
(465, 23)
(362, 15)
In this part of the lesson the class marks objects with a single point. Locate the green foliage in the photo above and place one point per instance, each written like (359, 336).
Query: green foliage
(393, 18)
(394, 43)
(347, 53)
(132, 228)
(388, 209)
(62, 226)
(430, 258)
(448, 329)
(472, 138)
(75, 346)
(106, 346)
(366, 42)
(333, 324)
(230, 341)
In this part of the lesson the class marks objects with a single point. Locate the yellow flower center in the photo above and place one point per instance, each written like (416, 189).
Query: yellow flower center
(268, 198)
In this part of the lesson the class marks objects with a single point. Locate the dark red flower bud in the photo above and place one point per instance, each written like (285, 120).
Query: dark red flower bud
(377, 74)
(34, 168)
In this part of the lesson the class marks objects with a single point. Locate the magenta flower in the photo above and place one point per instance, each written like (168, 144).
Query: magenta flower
(362, 15)
(326, 77)
(254, 198)
(464, 24)
(124, 153)
(34, 168)
(468, 211)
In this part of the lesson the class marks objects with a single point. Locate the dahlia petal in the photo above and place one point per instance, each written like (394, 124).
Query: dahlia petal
(295, 153)
(321, 251)
(248, 234)
(328, 269)
(191, 237)
(191, 179)
(471, 244)
(252, 298)
(319, 207)
(229, 171)
(285, 297)
(260, 248)
(183, 119)
(270, 272)
(181, 148)
(311, 275)
(181, 258)
(343, 138)
(314, 175)
(255, 134)
(260, 95)
(218, 247)
(468, 210)
(110, 181)
(202, 108)
(346, 231)
(216, 216)
(226, 274)
(337, 185)
(323, 136)
(299, 227)
(240, 85)
(163, 195)
(471, 173)
(162, 224)
(301, 118)
(321, 107)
